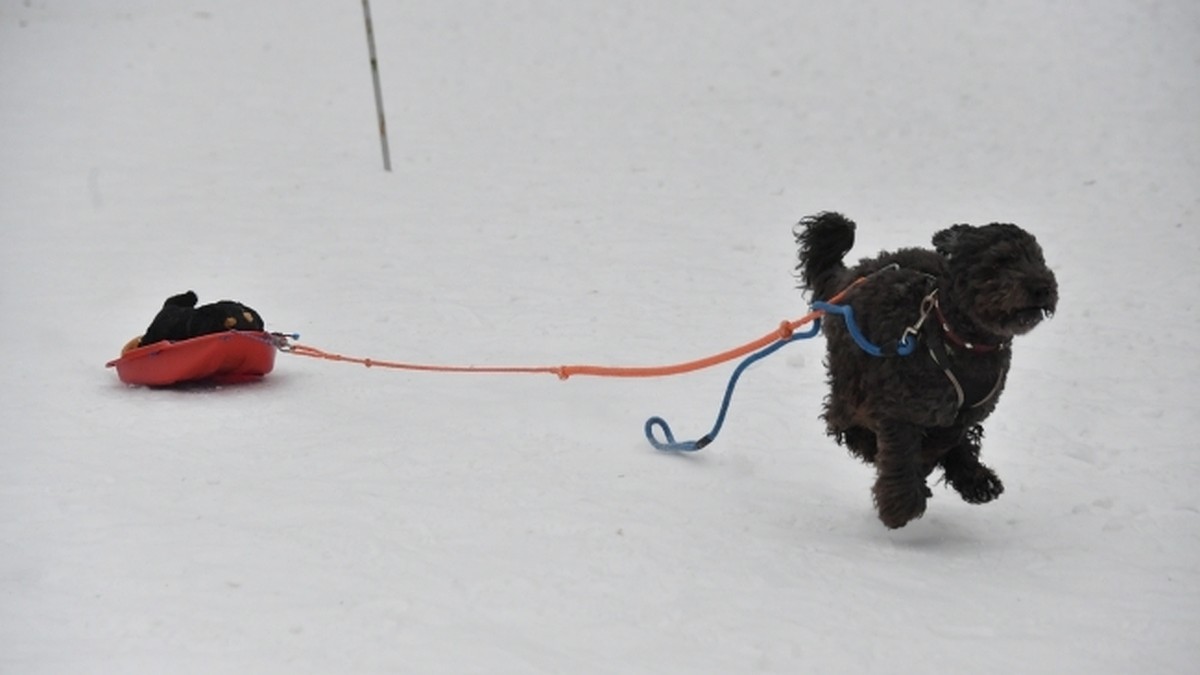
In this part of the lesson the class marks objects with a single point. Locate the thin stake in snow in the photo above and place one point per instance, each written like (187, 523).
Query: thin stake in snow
(383, 141)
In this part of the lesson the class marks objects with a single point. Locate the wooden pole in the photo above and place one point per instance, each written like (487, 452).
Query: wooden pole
(383, 140)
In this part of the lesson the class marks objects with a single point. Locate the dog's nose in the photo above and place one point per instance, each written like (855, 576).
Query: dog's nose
(1044, 294)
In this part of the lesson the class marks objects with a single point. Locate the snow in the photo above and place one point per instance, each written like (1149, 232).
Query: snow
(609, 182)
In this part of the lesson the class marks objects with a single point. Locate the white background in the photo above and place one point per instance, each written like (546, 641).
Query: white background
(592, 181)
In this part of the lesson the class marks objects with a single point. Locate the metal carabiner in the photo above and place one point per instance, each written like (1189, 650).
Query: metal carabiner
(927, 305)
(280, 340)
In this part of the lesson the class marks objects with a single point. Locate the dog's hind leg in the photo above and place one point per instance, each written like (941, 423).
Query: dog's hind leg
(966, 474)
(900, 491)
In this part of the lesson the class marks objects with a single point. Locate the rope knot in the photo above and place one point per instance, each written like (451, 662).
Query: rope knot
(785, 330)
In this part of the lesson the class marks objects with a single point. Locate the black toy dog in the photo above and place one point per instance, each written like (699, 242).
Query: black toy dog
(963, 302)
(180, 319)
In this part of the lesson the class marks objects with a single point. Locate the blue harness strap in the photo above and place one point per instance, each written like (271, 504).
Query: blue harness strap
(904, 346)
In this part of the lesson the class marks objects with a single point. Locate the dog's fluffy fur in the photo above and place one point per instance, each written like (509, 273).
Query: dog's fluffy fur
(905, 414)
(180, 319)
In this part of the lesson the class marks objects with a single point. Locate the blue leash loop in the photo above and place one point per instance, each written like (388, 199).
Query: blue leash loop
(906, 345)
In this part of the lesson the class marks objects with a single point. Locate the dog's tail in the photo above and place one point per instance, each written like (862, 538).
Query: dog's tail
(824, 239)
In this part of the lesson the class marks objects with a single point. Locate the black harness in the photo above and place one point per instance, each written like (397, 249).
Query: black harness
(965, 389)
(943, 345)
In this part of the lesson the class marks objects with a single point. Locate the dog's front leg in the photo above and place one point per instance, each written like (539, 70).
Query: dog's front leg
(966, 474)
(900, 490)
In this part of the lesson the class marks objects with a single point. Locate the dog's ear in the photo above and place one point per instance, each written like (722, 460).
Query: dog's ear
(188, 299)
(948, 241)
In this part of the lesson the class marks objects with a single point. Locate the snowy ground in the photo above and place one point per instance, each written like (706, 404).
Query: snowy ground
(596, 181)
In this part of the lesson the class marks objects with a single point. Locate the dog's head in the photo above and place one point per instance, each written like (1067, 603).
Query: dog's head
(998, 277)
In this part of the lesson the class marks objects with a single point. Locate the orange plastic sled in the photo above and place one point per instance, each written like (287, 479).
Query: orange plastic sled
(232, 356)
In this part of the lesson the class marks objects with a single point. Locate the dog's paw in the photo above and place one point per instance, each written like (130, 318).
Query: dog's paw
(899, 504)
(978, 487)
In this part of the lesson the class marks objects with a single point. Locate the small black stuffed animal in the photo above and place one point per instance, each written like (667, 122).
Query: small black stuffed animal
(180, 319)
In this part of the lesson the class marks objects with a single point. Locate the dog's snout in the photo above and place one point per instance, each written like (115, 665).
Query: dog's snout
(1045, 294)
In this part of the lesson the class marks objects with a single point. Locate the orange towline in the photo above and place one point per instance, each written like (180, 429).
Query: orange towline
(783, 332)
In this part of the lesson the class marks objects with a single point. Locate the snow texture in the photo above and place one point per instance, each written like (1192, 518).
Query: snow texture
(594, 181)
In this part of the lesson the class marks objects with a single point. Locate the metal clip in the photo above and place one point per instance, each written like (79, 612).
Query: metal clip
(280, 340)
(927, 305)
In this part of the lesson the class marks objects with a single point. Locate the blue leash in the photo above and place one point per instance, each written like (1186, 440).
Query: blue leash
(904, 347)
(692, 446)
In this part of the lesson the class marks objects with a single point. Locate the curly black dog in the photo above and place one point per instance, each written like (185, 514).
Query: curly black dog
(180, 319)
(963, 303)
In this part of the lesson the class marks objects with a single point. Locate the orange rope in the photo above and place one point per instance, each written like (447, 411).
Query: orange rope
(785, 330)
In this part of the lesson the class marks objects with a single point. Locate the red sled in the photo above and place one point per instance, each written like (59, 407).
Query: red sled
(223, 358)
